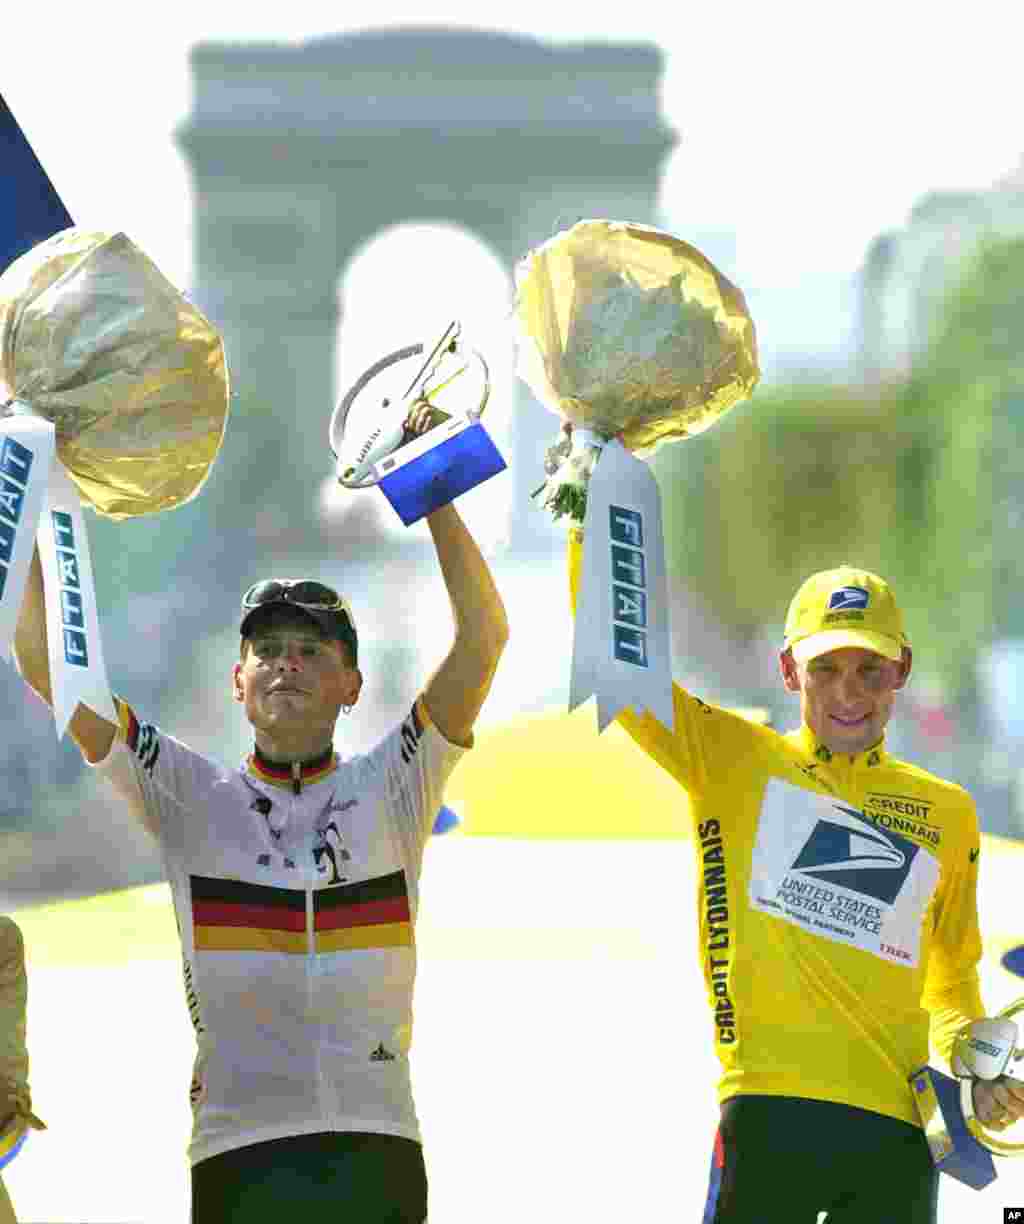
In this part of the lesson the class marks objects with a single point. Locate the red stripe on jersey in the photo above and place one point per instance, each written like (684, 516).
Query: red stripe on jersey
(369, 913)
(226, 914)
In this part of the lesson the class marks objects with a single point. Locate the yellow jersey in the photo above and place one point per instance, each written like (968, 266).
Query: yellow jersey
(836, 903)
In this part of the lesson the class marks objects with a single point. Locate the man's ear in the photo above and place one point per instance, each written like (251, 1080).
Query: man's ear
(790, 675)
(236, 683)
(357, 686)
(906, 662)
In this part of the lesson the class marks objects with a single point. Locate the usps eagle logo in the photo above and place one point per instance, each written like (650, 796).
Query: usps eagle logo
(846, 849)
(848, 597)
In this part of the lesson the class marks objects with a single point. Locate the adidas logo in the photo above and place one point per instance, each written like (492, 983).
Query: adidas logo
(382, 1055)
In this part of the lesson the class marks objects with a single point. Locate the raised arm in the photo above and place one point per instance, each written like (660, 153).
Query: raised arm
(458, 688)
(93, 734)
(679, 752)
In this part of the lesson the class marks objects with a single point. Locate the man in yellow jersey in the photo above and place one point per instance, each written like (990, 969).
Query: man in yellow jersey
(837, 922)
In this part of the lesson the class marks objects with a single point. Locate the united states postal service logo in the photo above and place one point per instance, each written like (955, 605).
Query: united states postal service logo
(824, 867)
(848, 598)
(845, 849)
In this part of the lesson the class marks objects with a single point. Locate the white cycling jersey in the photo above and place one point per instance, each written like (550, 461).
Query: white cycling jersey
(296, 914)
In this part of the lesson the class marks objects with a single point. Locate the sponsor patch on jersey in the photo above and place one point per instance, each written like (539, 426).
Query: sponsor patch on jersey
(908, 815)
(848, 598)
(370, 914)
(846, 850)
(826, 867)
(330, 855)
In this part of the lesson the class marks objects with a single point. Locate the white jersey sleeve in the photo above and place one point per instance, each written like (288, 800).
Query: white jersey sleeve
(162, 780)
(416, 761)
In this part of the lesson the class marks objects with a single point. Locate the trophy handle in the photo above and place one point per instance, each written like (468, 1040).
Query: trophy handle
(339, 418)
(998, 1147)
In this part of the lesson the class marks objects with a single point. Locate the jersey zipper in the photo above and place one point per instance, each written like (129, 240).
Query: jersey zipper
(312, 979)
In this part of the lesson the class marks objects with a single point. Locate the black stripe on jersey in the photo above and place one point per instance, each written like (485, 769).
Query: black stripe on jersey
(381, 888)
(412, 731)
(240, 892)
(149, 747)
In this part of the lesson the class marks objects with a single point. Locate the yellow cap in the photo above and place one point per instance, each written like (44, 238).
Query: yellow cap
(844, 607)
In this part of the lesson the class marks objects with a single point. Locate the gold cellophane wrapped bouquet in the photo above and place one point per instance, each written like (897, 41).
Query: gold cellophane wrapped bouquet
(133, 377)
(626, 331)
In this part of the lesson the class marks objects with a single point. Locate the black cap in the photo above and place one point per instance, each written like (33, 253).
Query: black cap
(308, 597)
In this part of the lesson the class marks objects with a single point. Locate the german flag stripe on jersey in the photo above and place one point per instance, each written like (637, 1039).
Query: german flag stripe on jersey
(233, 916)
(371, 914)
(281, 775)
(141, 738)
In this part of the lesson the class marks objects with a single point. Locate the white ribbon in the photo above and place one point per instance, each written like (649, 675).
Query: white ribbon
(27, 446)
(38, 501)
(621, 649)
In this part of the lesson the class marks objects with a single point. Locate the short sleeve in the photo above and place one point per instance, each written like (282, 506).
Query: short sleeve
(162, 780)
(417, 761)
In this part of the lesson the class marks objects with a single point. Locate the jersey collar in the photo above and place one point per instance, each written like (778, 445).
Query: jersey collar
(870, 758)
(294, 775)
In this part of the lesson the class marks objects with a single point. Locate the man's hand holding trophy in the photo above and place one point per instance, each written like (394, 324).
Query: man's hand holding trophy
(964, 1117)
(988, 1059)
(422, 441)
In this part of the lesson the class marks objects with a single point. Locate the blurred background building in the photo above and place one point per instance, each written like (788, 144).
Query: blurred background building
(960, 254)
(908, 273)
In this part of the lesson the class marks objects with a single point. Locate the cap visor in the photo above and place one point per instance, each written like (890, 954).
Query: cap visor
(839, 639)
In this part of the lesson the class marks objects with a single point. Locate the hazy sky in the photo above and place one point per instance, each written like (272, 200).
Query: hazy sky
(805, 129)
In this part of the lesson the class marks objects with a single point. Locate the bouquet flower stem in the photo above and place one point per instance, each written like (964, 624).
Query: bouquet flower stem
(568, 466)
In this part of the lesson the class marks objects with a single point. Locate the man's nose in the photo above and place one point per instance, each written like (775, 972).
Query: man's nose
(290, 658)
(851, 686)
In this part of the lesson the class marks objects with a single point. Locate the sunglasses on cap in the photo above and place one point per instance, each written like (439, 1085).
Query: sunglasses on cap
(302, 591)
(326, 606)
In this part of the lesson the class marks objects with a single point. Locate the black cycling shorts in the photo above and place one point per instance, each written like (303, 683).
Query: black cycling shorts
(375, 1179)
(782, 1160)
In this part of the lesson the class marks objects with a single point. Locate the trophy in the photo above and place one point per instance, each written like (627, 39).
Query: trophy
(959, 1142)
(374, 443)
(113, 394)
(634, 337)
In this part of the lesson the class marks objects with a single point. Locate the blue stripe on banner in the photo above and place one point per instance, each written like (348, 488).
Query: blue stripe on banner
(714, 1179)
(1014, 961)
(11, 1145)
(30, 208)
(445, 820)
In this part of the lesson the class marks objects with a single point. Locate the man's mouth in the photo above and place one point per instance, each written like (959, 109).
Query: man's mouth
(846, 720)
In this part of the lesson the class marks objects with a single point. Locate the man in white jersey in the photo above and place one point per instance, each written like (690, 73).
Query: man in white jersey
(295, 884)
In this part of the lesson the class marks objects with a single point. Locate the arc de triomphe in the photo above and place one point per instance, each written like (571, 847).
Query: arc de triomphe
(302, 153)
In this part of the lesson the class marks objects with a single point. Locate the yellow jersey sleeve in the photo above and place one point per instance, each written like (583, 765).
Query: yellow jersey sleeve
(952, 995)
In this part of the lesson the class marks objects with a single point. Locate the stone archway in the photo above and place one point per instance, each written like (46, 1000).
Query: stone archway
(301, 153)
